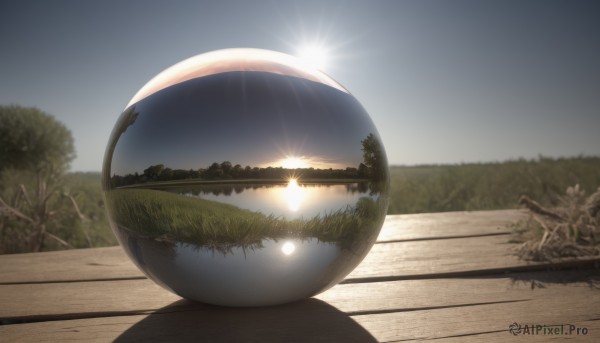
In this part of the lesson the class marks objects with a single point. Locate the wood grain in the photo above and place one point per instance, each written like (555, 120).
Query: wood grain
(449, 224)
(463, 322)
(447, 258)
(431, 276)
(395, 260)
(69, 265)
(315, 320)
(390, 261)
(38, 302)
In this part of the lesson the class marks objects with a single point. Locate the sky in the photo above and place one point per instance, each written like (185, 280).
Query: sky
(443, 81)
(256, 119)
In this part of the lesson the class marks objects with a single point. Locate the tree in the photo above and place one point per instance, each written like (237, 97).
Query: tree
(33, 140)
(226, 167)
(214, 171)
(127, 118)
(35, 152)
(374, 157)
(363, 170)
(153, 172)
(168, 174)
(237, 171)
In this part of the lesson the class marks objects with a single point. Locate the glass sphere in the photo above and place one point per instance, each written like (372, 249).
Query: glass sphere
(243, 177)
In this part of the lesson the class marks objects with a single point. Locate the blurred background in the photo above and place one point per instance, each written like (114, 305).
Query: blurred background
(477, 103)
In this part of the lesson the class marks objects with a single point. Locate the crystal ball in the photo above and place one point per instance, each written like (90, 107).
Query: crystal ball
(245, 177)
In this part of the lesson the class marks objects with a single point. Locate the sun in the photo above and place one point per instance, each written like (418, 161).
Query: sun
(288, 248)
(314, 55)
(292, 162)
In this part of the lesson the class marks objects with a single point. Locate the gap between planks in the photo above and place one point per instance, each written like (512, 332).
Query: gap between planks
(112, 264)
(385, 261)
(564, 265)
(313, 320)
(30, 303)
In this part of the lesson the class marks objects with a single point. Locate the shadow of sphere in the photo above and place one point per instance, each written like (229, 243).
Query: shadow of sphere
(309, 320)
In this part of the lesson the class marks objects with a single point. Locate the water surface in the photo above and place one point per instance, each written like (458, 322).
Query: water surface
(291, 201)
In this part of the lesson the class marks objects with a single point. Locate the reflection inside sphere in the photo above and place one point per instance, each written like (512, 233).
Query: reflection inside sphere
(288, 248)
(293, 195)
(244, 178)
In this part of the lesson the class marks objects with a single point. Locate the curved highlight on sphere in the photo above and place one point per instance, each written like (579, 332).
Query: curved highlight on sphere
(227, 60)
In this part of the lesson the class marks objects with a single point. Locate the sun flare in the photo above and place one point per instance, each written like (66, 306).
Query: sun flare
(291, 162)
(315, 55)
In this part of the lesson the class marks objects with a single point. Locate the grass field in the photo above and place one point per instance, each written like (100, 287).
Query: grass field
(488, 186)
(415, 189)
(171, 217)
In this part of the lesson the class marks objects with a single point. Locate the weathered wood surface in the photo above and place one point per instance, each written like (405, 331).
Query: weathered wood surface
(468, 308)
(308, 321)
(409, 237)
(90, 299)
(425, 226)
(447, 275)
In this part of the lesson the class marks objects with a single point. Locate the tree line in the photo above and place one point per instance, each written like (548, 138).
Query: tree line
(228, 171)
(373, 167)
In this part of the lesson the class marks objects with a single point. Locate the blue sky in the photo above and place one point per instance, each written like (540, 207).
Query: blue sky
(444, 81)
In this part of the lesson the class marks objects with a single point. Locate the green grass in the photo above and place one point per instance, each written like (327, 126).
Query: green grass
(488, 186)
(176, 218)
(75, 208)
(85, 189)
(419, 189)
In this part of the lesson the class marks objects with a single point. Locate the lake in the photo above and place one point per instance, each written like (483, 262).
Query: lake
(291, 201)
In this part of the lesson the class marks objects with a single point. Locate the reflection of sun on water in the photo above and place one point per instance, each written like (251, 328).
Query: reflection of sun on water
(288, 248)
(294, 195)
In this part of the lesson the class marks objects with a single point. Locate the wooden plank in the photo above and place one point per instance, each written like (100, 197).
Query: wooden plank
(448, 224)
(388, 261)
(110, 263)
(487, 321)
(449, 257)
(315, 320)
(39, 302)
(593, 327)
(68, 265)
(269, 324)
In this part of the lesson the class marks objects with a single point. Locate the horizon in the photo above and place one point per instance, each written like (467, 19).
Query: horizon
(519, 159)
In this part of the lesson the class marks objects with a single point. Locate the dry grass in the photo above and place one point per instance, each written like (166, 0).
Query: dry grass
(569, 230)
